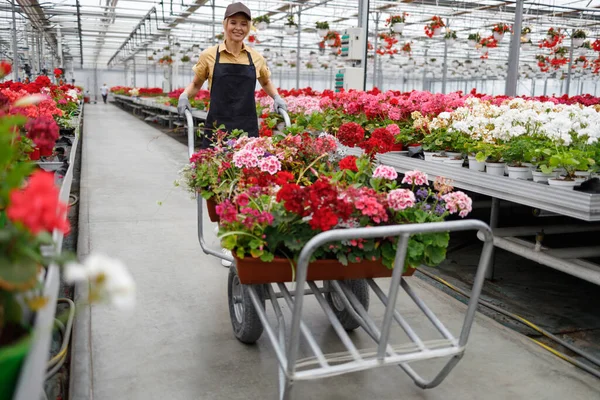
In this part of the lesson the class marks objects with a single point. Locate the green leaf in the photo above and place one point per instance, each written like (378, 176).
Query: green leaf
(256, 253)
(267, 257)
(18, 276)
(342, 259)
(434, 255)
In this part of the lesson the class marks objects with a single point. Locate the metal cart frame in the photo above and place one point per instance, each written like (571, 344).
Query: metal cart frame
(337, 298)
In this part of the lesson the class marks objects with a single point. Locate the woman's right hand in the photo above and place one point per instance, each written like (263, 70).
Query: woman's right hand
(183, 104)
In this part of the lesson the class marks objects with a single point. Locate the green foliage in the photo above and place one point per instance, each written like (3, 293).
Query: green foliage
(517, 151)
(322, 25)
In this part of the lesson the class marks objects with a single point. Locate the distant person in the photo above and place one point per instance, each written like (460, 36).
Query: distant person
(104, 92)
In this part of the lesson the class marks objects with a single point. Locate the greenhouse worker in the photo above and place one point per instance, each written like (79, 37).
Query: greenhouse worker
(231, 69)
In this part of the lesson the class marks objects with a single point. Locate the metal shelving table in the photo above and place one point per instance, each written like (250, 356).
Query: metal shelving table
(584, 207)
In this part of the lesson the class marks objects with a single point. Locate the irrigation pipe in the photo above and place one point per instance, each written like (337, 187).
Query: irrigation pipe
(533, 326)
(58, 360)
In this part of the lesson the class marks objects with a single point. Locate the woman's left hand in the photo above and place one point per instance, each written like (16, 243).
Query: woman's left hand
(279, 103)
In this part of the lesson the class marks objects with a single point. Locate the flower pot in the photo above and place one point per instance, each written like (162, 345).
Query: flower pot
(498, 36)
(519, 173)
(290, 29)
(261, 26)
(439, 158)
(453, 154)
(437, 31)
(450, 42)
(35, 155)
(211, 207)
(322, 32)
(562, 184)
(398, 27)
(539, 176)
(525, 37)
(577, 42)
(330, 42)
(531, 169)
(495, 168)
(11, 358)
(429, 154)
(453, 162)
(476, 165)
(473, 43)
(254, 271)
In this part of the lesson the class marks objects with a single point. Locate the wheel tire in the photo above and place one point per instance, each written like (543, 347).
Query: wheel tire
(360, 288)
(246, 324)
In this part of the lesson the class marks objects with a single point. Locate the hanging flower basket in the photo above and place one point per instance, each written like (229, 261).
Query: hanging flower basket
(498, 36)
(434, 27)
(322, 28)
(290, 29)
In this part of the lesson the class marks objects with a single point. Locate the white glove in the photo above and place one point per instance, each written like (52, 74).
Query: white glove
(279, 103)
(183, 104)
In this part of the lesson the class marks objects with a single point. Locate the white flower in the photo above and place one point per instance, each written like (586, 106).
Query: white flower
(30, 100)
(444, 115)
(109, 280)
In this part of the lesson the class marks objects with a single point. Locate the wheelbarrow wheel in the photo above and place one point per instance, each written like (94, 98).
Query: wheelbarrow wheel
(246, 324)
(360, 288)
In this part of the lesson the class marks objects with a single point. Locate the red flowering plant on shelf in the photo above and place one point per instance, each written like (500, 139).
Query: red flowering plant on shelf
(434, 26)
(596, 45)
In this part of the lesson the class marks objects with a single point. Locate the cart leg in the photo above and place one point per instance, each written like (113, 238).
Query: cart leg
(439, 378)
(286, 392)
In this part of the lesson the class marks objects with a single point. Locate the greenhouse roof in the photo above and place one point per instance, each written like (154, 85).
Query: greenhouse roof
(101, 33)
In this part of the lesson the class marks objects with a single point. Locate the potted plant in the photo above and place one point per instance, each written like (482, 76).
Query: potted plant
(266, 225)
(434, 27)
(322, 28)
(579, 37)
(491, 154)
(290, 27)
(570, 160)
(515, 155)
(406, 48)
(499, 30)
(584, 48)
(525, 32)
(474, 39)
(396, 22)
(185, 59)
(450, 37)
(262, 22)
(561, 52)
(333, 39)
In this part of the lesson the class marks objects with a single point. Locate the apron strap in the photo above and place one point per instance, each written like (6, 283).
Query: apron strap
(249, 58)
(218, 55)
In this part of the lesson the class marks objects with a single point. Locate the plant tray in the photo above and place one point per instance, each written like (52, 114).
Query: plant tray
(254, 271)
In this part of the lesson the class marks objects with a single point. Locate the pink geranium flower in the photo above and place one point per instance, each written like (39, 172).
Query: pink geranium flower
(401, 199)
(385, 172)
(415, 178)
(458, 202)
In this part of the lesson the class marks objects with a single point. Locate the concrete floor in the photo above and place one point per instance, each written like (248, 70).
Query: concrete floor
(179, 345)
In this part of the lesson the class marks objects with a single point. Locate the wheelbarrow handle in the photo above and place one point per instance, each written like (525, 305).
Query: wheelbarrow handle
(190, 127)
(286, 117)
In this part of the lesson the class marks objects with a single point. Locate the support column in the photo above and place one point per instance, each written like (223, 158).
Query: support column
(532, 87)
(445, 66)
(15, 66)
(298, 49)
(95, 83)
(545, 85)
(134, 77)
(569, 68)
(375, 49)
(363, 22)
(425, 68)
(513, 56)
(147, 81)
(59, 40)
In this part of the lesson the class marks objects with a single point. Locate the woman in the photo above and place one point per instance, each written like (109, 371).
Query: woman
(231, 69)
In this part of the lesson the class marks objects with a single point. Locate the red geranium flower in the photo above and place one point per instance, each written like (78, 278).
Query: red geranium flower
(43, 131)
(349, 163)
(37, 206)
(350, 134)
(5, 68)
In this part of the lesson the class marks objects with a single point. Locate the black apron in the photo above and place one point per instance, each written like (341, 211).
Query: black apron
(232, 99)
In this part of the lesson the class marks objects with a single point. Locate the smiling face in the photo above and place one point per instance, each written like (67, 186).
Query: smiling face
(236, 27)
